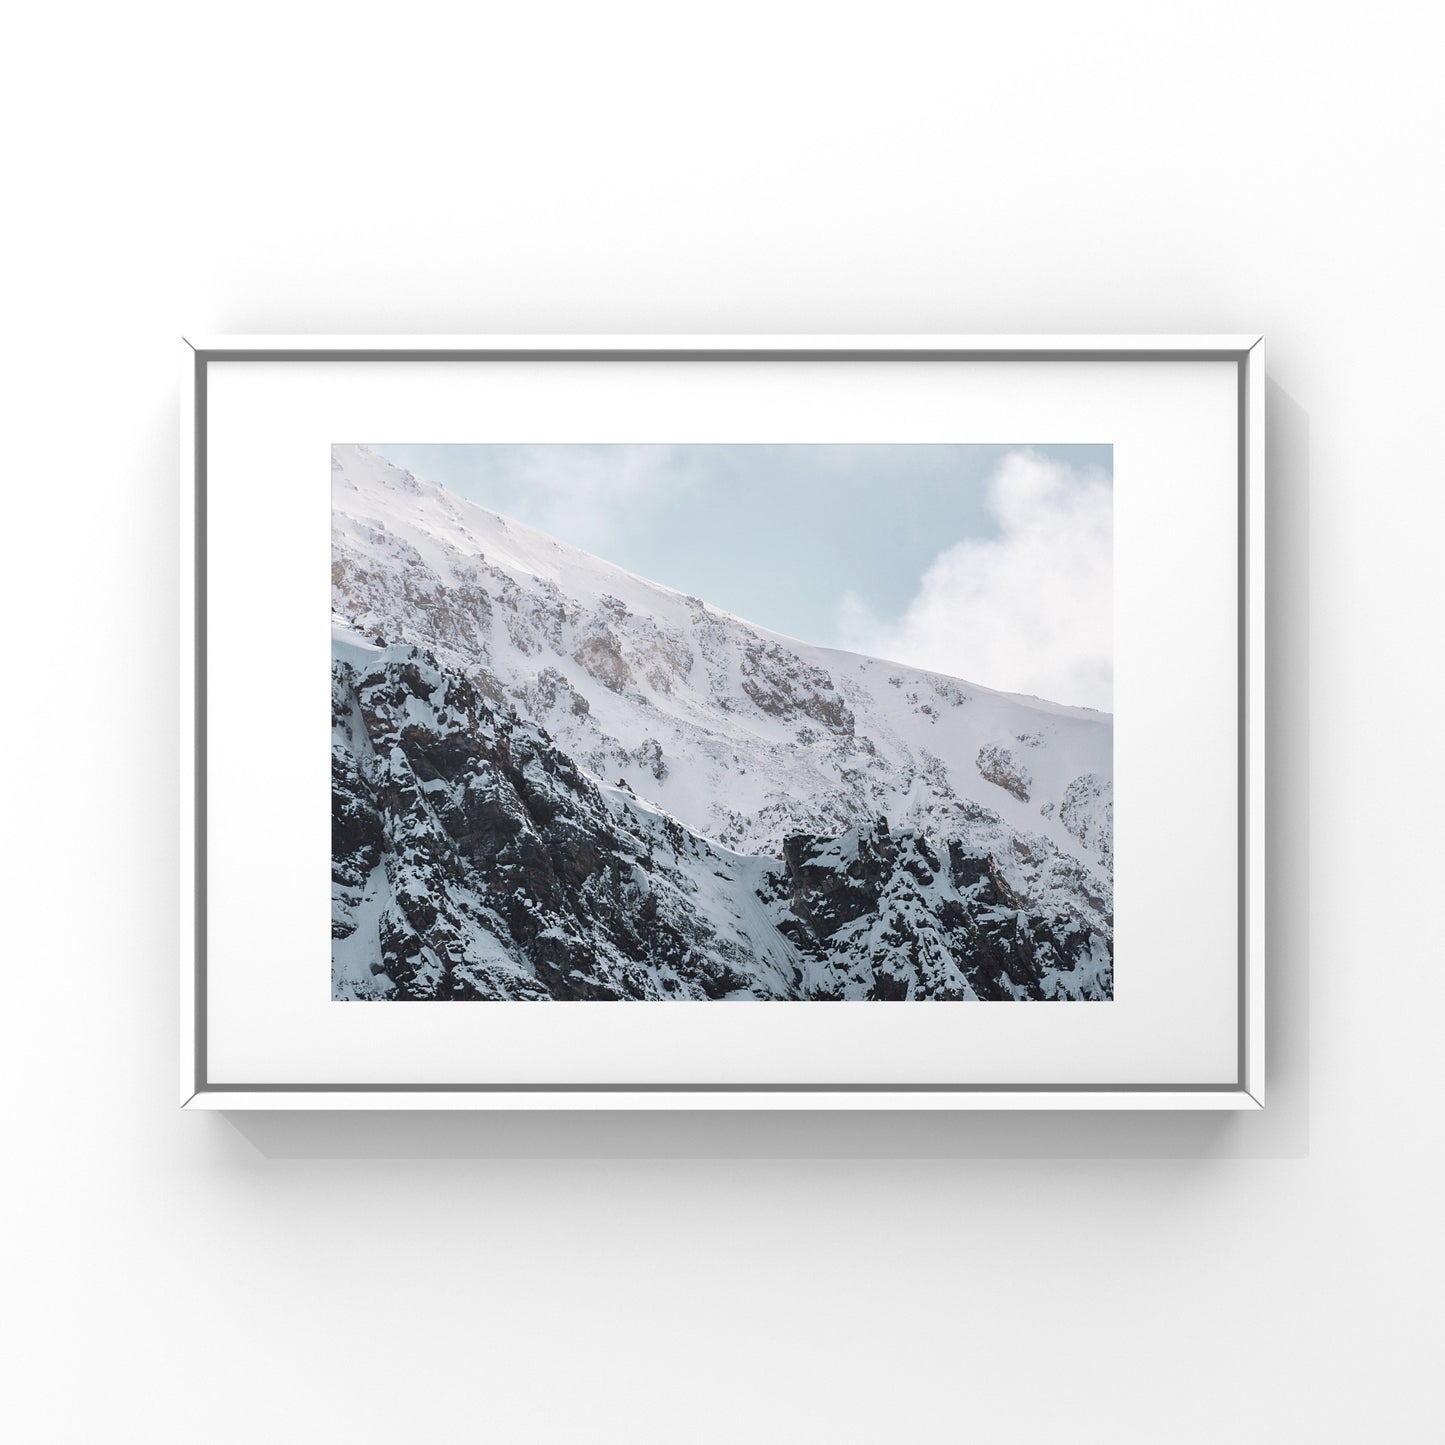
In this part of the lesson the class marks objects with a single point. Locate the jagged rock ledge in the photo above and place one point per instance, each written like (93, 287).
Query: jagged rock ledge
(473, 859)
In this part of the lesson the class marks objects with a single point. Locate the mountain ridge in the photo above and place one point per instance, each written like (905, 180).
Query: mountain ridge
(345, 459)
(629, 674)
(472, 860)
(765, 752)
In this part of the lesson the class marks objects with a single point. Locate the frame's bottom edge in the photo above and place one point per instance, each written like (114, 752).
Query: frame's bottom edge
(252, 1099)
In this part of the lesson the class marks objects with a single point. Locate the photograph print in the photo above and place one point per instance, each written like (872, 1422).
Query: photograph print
(722, 722)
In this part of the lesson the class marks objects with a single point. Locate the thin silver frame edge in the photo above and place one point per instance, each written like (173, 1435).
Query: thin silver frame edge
(1246, 351)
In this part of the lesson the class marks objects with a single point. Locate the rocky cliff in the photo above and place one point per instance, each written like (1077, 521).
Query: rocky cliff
(746, 735)
(473, 859)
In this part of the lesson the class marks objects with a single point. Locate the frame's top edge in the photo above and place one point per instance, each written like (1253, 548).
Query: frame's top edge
(667, 341)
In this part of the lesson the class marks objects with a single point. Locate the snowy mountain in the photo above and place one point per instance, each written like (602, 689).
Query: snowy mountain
(558, 779)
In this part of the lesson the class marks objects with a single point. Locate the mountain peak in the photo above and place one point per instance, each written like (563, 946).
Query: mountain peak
(740, 733)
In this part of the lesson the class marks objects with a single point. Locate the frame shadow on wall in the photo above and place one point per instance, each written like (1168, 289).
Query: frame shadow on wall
(1281, 1130)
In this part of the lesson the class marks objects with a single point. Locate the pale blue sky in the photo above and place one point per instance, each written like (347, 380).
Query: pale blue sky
(800, 538)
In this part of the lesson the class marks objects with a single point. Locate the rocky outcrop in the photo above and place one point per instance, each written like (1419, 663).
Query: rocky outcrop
(879, 914)
(782, 685)
(1001, 766)
(472, 859)
(734, 743)
(763, 735)
(1087, 811)
(601, 655)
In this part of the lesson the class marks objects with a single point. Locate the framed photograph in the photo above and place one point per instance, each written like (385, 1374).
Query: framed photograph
(723, 722)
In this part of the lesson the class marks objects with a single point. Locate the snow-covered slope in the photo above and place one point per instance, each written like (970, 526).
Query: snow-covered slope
(472, 859)
(743, 736)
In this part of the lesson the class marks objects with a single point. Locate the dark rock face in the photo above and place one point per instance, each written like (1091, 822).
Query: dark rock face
(472, 859)
(743, 735)
(884, 915)
(503, 873)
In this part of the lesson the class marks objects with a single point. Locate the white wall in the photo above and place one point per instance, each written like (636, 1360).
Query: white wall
(612, 168)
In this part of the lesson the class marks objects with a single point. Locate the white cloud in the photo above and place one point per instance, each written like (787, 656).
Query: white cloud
(584, 493)
(1030, 610)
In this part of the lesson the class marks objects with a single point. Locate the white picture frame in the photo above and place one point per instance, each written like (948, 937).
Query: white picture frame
(216, 389)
